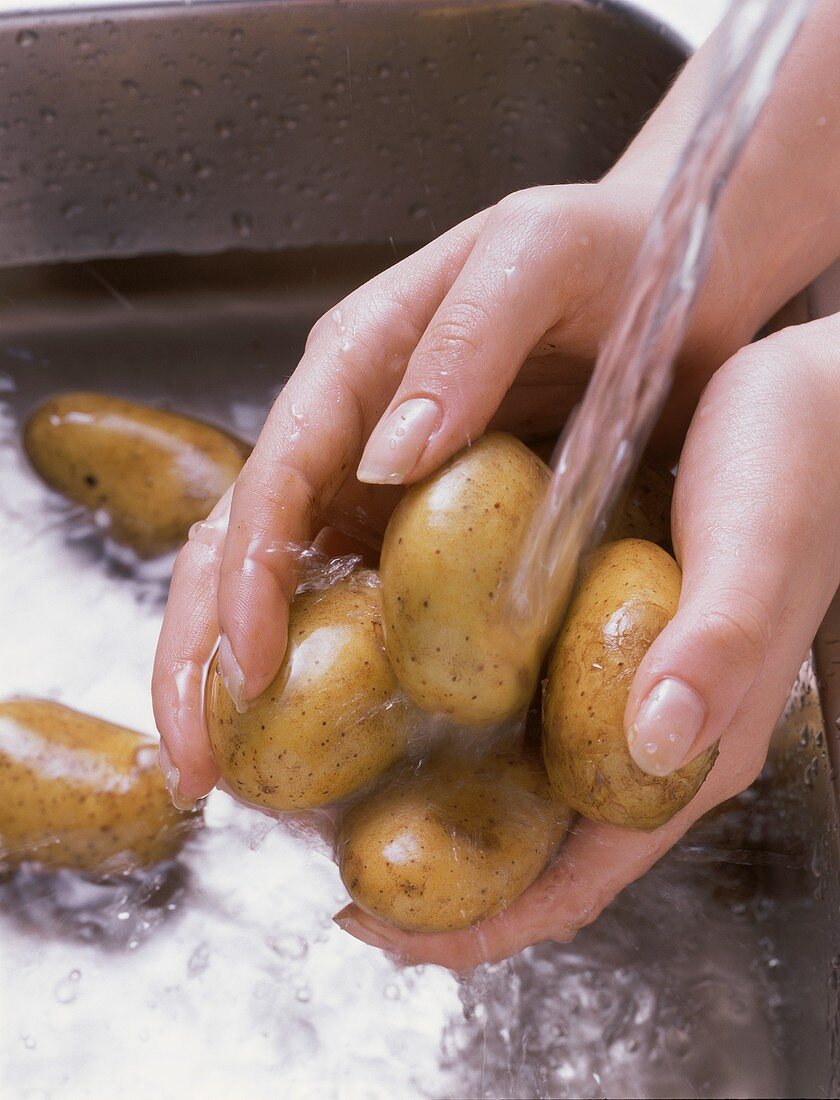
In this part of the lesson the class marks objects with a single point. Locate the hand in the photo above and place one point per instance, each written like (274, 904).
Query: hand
(755, 530)
(437, 341)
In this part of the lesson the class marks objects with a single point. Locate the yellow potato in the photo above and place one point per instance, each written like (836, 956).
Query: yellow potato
(627, 592)
(81, 793)
(331, 720)
(451, 843)
(450, 543)
(644, 509)
(152, 473)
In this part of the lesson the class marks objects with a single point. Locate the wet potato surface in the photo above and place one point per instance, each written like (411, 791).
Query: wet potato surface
(151, 473)
(453, 842)
(448, 547)
(330, 722)
(628, 591)
(77, 792)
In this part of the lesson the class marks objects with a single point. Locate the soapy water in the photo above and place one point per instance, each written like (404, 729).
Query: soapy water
(231, 949)
(603, 440)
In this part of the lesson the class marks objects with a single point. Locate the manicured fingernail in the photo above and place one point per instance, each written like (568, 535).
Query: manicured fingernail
(232, 675)
(172, 779)
(666, 727)
(354, 923)
(398, 441)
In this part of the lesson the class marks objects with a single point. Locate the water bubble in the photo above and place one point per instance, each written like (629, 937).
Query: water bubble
(66, 990)
(199, 960)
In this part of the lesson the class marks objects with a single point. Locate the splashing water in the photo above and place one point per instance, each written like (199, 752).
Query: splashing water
(602, 443)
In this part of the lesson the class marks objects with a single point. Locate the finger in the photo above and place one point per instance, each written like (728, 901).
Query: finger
(187, 639)
(528, 270)
(754, 530)
(311, 441)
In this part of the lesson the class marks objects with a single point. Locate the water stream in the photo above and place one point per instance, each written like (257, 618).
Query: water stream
(633, 374)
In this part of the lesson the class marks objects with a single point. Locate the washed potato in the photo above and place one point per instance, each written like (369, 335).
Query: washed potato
(81, 793)
(451, 542)
(643, 510)
(151, 473)
(331, 720)
(627, 592)
(451, 843)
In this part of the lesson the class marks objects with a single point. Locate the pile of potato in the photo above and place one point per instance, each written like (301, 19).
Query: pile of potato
(77, 792)
(401, 700)
(433, 833)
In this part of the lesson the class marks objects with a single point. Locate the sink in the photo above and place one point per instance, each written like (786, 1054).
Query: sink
(184, 189)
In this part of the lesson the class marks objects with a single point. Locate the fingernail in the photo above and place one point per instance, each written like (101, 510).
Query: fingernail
(666, 727)
(172, 779)
(398, 441)
(232, 675)
(355, 925)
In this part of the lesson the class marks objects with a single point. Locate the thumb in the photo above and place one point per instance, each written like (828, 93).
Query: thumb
(747, 528)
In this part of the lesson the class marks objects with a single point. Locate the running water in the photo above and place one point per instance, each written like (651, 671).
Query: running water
(601, 445)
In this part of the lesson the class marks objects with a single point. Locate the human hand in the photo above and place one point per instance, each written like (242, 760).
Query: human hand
(755, 529)
(518, 294)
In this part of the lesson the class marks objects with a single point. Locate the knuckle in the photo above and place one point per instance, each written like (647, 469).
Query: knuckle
(525, 206)
(739, 627)
(460, 332)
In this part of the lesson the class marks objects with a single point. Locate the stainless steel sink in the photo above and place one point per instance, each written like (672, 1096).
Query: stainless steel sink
(184, 190)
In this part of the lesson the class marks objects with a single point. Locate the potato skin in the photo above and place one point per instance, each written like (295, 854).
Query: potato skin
(81, 793)
(331, 720)
(451, 541)
(627, 593)
(451, 843)
(643, 511)
(153, 473)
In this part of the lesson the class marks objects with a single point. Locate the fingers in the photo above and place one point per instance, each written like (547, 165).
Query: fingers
(311, 442)
(755, 512)
(187, 639)
(532, 266)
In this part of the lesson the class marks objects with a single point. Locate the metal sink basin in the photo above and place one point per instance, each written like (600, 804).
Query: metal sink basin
(184, 190)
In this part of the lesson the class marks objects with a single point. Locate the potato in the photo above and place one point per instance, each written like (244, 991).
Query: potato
(451, 542)
(627, 592)
(331, 720)
(452, 843)
(643, 511)
(81, 793)
(151, 473)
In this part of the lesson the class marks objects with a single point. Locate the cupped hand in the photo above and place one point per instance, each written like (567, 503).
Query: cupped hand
(497, 320)
(755, 529)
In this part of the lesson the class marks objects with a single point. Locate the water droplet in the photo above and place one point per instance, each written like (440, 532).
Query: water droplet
(27, 38)
(224, 127)
(199, 960)
(242, 223)
(48, 114)
(191, 87)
